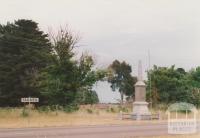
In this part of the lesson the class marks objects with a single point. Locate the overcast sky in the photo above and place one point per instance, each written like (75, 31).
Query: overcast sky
(121, 29)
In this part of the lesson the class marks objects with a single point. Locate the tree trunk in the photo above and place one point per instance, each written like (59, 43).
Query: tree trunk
(122, 98)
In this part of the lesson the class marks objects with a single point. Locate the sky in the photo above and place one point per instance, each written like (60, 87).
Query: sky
(120, 29)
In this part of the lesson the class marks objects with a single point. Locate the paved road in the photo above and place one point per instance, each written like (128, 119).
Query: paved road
(124, 131)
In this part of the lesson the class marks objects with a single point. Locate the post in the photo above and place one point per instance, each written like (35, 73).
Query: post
(29, 100)
(29, 104)
(186, 114)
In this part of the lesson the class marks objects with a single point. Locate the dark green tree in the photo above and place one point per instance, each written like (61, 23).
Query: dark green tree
(169, 85)
(24, 51)
(121, 79)
(194, 82)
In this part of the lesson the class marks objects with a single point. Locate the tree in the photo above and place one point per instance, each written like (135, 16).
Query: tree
(87, 96)
(24, 51)
(87, 78)
(170, 85)
(121, 78)
(67, 79)
(194, 82)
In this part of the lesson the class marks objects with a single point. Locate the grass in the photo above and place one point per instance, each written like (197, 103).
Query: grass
(20, 117)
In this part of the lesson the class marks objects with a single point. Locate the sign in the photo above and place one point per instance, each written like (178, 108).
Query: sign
(29, 100)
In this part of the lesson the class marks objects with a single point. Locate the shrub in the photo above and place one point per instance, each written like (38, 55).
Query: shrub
(124, 109)
(70, 108)
(45, 109)
(112, 110)
(24, 113)
(89, 111)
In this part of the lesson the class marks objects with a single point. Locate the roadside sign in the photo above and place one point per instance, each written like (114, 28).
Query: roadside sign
(29, 100)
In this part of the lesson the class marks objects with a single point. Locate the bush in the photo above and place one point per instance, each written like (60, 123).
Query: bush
(107, 110)
(24, 113)
(45, 109)
(112, 110)
(70, 108)
(123, 109)
(89, 111)
(56, 107)
(67, 108)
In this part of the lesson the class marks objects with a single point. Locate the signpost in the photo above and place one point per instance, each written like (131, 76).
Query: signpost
(29, 100)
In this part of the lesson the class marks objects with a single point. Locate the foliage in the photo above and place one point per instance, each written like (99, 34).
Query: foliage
(58, 81)
(25, 112)
(37, 65)
(70, 108)
(89, 111)
(170, 85)
(68, 82)
(24, 51)
(87, 96)
(121, 79)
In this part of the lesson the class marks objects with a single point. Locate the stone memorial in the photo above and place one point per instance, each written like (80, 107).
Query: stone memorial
(140, 106)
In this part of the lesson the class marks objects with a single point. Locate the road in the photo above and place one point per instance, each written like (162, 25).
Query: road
(114, 131)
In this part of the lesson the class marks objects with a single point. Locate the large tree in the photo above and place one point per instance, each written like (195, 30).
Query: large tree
(121, 79)
(69, 81)
(169, 85)
(24, 51)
